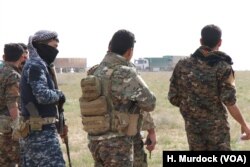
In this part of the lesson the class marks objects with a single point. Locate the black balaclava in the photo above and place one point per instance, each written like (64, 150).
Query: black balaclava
(46, 52)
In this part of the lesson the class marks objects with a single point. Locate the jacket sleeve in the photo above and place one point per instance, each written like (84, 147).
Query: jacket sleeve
(147, 121)
(12, 94)
(227, 84)
(173, 93)
(39, 85)
(127, 85)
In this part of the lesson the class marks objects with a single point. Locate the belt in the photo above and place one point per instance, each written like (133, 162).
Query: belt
(43, 121)
(39, 123)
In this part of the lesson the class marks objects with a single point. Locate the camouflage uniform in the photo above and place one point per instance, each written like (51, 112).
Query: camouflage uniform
(126, 86)
(9, 97)
(200, 86)
(41, 147)
(140, 156)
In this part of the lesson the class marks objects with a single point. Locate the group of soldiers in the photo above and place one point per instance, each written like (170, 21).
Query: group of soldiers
(30, 101)
(115, 103)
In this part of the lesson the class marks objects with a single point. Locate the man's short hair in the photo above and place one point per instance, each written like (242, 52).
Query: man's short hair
(211, 35)
(12, 52)
(25, 47)
(121, 41)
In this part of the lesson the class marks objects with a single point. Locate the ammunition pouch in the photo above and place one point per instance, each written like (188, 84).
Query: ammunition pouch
(36, 123)
(96, 125)
(95, 117)
(96, 107)
(97, 111)
(133, 125)
(21, 130)
(5, 124)
(32, 124)
(126, 123)
(91, 88)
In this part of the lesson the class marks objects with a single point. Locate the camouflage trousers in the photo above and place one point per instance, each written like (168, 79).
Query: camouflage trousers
(9, 151)
(42, 148)
(204, 136)
(140, 157)
(114, 152)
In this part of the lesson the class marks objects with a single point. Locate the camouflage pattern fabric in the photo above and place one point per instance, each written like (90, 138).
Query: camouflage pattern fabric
(112, 149)
(9, 98)
(140, 157)
(42, 148)
(200, 86)
(147, 121)
(115, 152)
(9, 88)
(35, 71)
(126, 87)
(9, 151)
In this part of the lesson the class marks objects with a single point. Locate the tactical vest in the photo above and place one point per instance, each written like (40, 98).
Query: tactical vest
(97, 110)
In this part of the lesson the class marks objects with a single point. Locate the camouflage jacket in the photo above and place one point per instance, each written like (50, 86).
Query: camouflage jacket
(126, 85)
(9, 88)
(201, 84)
(37, 86)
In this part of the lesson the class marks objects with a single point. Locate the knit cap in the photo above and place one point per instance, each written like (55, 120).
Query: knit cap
(43, 35)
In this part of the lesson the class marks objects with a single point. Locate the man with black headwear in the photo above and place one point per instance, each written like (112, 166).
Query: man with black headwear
(39, 98)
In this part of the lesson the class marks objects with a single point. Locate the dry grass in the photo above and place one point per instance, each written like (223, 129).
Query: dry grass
(170, 127)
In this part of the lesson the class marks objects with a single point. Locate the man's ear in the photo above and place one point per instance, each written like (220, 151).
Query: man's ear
(201, 41)
(219, 43)
(128, 54)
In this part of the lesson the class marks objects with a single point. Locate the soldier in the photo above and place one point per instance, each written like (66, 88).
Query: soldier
(39, 99)
(13, 56)
(203, 87)
(140, 157)
(126, 94)
(26, 51)
(147, 124)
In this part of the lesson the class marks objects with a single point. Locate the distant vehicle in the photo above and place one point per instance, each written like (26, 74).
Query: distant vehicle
(165, 63)
(1, 63)
(142, 64)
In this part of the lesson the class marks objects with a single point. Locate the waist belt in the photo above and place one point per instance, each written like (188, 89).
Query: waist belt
(43, 121)
(36, 123)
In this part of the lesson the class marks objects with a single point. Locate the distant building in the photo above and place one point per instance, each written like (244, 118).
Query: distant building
(70, 65)
(165, 63)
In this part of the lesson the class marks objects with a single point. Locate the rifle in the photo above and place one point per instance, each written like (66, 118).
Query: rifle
(61, 123)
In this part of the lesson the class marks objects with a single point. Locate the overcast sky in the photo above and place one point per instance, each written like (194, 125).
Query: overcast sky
(161, 27)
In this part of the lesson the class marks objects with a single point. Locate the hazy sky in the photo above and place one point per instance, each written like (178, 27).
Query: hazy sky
(161, 27)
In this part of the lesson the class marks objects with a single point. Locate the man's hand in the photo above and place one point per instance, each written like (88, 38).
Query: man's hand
(62, 99)
(151, 140)
(64, 134)
(245, 131)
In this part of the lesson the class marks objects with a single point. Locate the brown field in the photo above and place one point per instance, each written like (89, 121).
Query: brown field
(170, 127)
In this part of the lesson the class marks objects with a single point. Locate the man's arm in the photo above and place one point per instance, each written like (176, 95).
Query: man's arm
(173, 93)
(39, 84)
(149, 126)
(129, 86)
(236, 114)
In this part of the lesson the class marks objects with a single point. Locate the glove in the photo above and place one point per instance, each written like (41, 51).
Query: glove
(62, 99)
